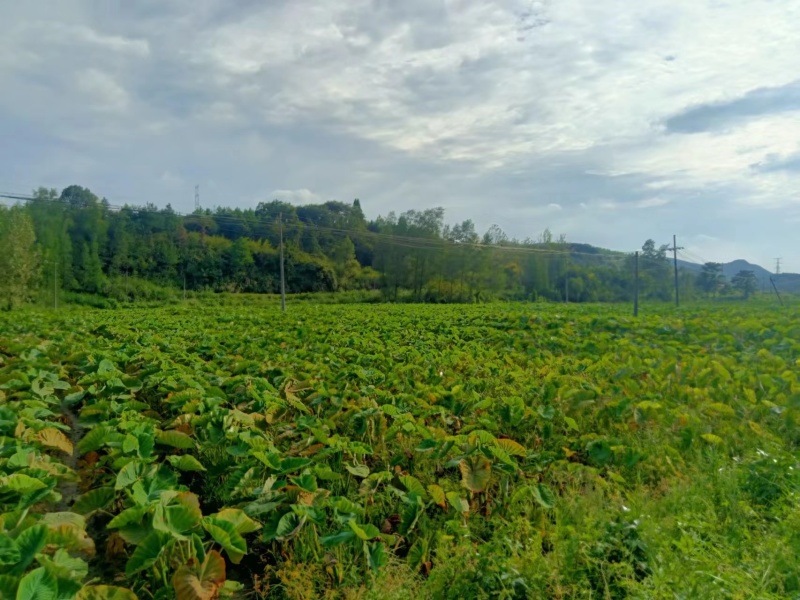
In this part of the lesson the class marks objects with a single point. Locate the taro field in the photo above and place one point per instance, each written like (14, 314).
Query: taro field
(484, 451)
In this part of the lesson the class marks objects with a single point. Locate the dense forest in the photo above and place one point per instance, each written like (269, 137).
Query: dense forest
(79, 243)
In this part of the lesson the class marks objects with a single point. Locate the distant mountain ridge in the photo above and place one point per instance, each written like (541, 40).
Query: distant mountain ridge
(785, 282)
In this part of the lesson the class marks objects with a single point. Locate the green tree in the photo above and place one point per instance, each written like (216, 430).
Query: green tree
(711, 279)
(19, 259)
(746, 282)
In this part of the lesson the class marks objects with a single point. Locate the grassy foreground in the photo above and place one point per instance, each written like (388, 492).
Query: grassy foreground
(495, 451)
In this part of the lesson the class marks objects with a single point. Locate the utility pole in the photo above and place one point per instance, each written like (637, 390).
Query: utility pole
(283, 282)
(566, 282)
(675, 249)
(775, 287)
(636, 284)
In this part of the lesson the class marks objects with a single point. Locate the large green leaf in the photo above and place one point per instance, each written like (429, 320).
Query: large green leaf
(94, 500)
(105, 592)
(200, 582)
(94, 439)
(186, 462)
(418, 553)
(179, 517)
(9, 552)
(240, 520)
(288, 525)
(176, 439)
(457, 502)
(413, 485)
(543, 495)
(337, 539)
(21, 483)
(128, 475)
(225, 534)
(8, 586)
(37, 585)
(64, 566)
(129, 516)
(365, 531)
(475, 473)
(378, 558)
(29, 542)
(147, 553)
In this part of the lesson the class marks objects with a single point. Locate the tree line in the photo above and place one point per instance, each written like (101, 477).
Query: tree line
(79, 243)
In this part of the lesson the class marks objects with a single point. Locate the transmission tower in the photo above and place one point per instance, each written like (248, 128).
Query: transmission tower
(778, 266)
(197, 197)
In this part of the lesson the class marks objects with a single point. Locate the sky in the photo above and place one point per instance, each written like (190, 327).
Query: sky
(610, 122)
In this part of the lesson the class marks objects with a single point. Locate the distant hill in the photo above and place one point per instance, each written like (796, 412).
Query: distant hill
(785, 282)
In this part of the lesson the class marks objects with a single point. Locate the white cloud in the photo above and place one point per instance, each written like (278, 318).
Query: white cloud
(651, 202)
(102, 91)
(506, 107)
(301, 196)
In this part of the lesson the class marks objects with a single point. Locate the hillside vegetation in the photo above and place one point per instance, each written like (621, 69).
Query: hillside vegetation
(78, 247)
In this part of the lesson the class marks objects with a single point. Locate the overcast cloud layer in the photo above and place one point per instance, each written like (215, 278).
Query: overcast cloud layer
(608, 121)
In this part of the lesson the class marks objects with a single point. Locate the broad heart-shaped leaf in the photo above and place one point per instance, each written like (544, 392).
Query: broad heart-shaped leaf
(378, 558)
(512, 447)
(200, 582)
(94, 500)
(21, 483)
(358, 470)
(413, 485)
(288, 525)
(128, 474)
(131, 444)
(240, 520)
(56, 519)
(8, 586)
(457, 502)
(294, 463)
(186, 462)
(94, 439)
(179, 517)
(366, 531)
(29, 543)
(543, 495)
(337, 539)
(129, 516)
(306, 482)
(64, 566)
(146, 553)
(69, 537)
(53, 438)
(225, 534)
(418, 553)
(37, 585)
(9, 553)
(105, 592)
(475, 473)
(437, 493)
(176, 439)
